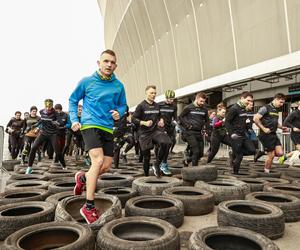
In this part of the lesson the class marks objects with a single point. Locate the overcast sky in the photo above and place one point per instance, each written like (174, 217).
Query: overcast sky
(46, 47)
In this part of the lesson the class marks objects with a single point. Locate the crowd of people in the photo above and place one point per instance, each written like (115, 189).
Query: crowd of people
(103, 125)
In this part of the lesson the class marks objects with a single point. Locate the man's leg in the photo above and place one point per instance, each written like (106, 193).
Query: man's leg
(58, 152)
(163, 142)
(269, 161)
(146, 161)
(237, 154)
(215, 142)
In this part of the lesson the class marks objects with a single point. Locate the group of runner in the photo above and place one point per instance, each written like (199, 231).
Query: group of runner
(106, 125)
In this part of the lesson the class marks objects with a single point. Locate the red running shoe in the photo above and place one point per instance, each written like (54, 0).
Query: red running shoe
(78, 189)
(89, 215)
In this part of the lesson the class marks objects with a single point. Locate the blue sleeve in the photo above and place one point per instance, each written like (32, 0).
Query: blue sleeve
(74, 99)
(122, 103)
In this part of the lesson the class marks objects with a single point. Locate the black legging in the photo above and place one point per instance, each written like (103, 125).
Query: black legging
(215, 141)
(196, 144)
(28, 141)
(16, 144)
(163, 143)
(240, 147)
(119, 144)
(38, 142)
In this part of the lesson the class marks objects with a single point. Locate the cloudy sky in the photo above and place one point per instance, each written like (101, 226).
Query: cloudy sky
(46, 47)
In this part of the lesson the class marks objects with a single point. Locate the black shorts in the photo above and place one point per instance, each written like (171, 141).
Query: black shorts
(269, 141)
(97, 138)
(295, 137)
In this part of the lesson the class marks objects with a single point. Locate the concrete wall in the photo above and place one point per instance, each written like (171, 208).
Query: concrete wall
(174, 43)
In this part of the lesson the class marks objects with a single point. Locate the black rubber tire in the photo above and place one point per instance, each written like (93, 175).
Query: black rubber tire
(68, 209)
(34, 171)
(9, 164)
(284, 189)
(59, 173)
(272, 181)
(23, 177)
(19, 215)
(133, 173)
(175, 168)
(256, 216)
(232, 238)
(291, 175)
(254, 184)
(138, 233)
(154, 186)
(289, 204)
(55, 198)
(261, 173)
(114, 180)
(195, 201)
(59, 185)
(162, 207)
(223, 176)
(52, 235)
(123, 193)
(200, 173)
(16, 196)
(21, 169)
(225, 189)
(28, 184)
(242, 174)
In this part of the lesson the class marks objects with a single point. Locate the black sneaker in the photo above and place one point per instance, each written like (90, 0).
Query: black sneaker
(156, 170)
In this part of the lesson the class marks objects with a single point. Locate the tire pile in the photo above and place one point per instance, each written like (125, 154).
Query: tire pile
(39, 211)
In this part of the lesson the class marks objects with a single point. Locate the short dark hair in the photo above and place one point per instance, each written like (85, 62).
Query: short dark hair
(58, 106)
(280, 96)
(109, 51)
(33, 108)
(18, 112)
(150, 87)
(245, 94)
(202, 95)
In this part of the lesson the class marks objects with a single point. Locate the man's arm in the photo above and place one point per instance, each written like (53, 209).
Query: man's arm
(74, 99)
(231, 113)
(122, 103)
(257, 119)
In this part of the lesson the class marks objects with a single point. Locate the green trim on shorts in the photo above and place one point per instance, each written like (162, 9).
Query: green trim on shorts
(84, 127)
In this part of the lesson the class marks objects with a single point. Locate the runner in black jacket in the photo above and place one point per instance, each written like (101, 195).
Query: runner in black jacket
(15, 130)
(147, 117)
(235, 123)
(48, 126)
(267, 120)
(168, 111)
(192, 120)
(293, 122)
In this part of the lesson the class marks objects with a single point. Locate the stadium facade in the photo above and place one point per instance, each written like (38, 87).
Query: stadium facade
(223, 47)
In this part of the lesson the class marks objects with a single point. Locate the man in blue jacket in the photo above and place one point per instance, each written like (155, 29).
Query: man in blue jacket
(104, 101)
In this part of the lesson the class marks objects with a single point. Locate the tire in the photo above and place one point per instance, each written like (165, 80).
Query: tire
(254, 184)
(256, 216)
(261, 173)
(232, 238)
(123, 193)
(114, 180)
(61, 185)
(195, 201)
(55, 198)
(58, 173)
(200, 173)
(16, 196)
(138, 233)
(68, 210)
(9, 164)
(290, 205)
(28, 184)
(272, 181)
(242, 174)
(25, 177)
(154, 186)
(284, 189)
(225, 189)
(165, 208)
(175, 168)
(222, 176)
(133, 173)
(54, 235)
(19, 215)
(291, 175)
